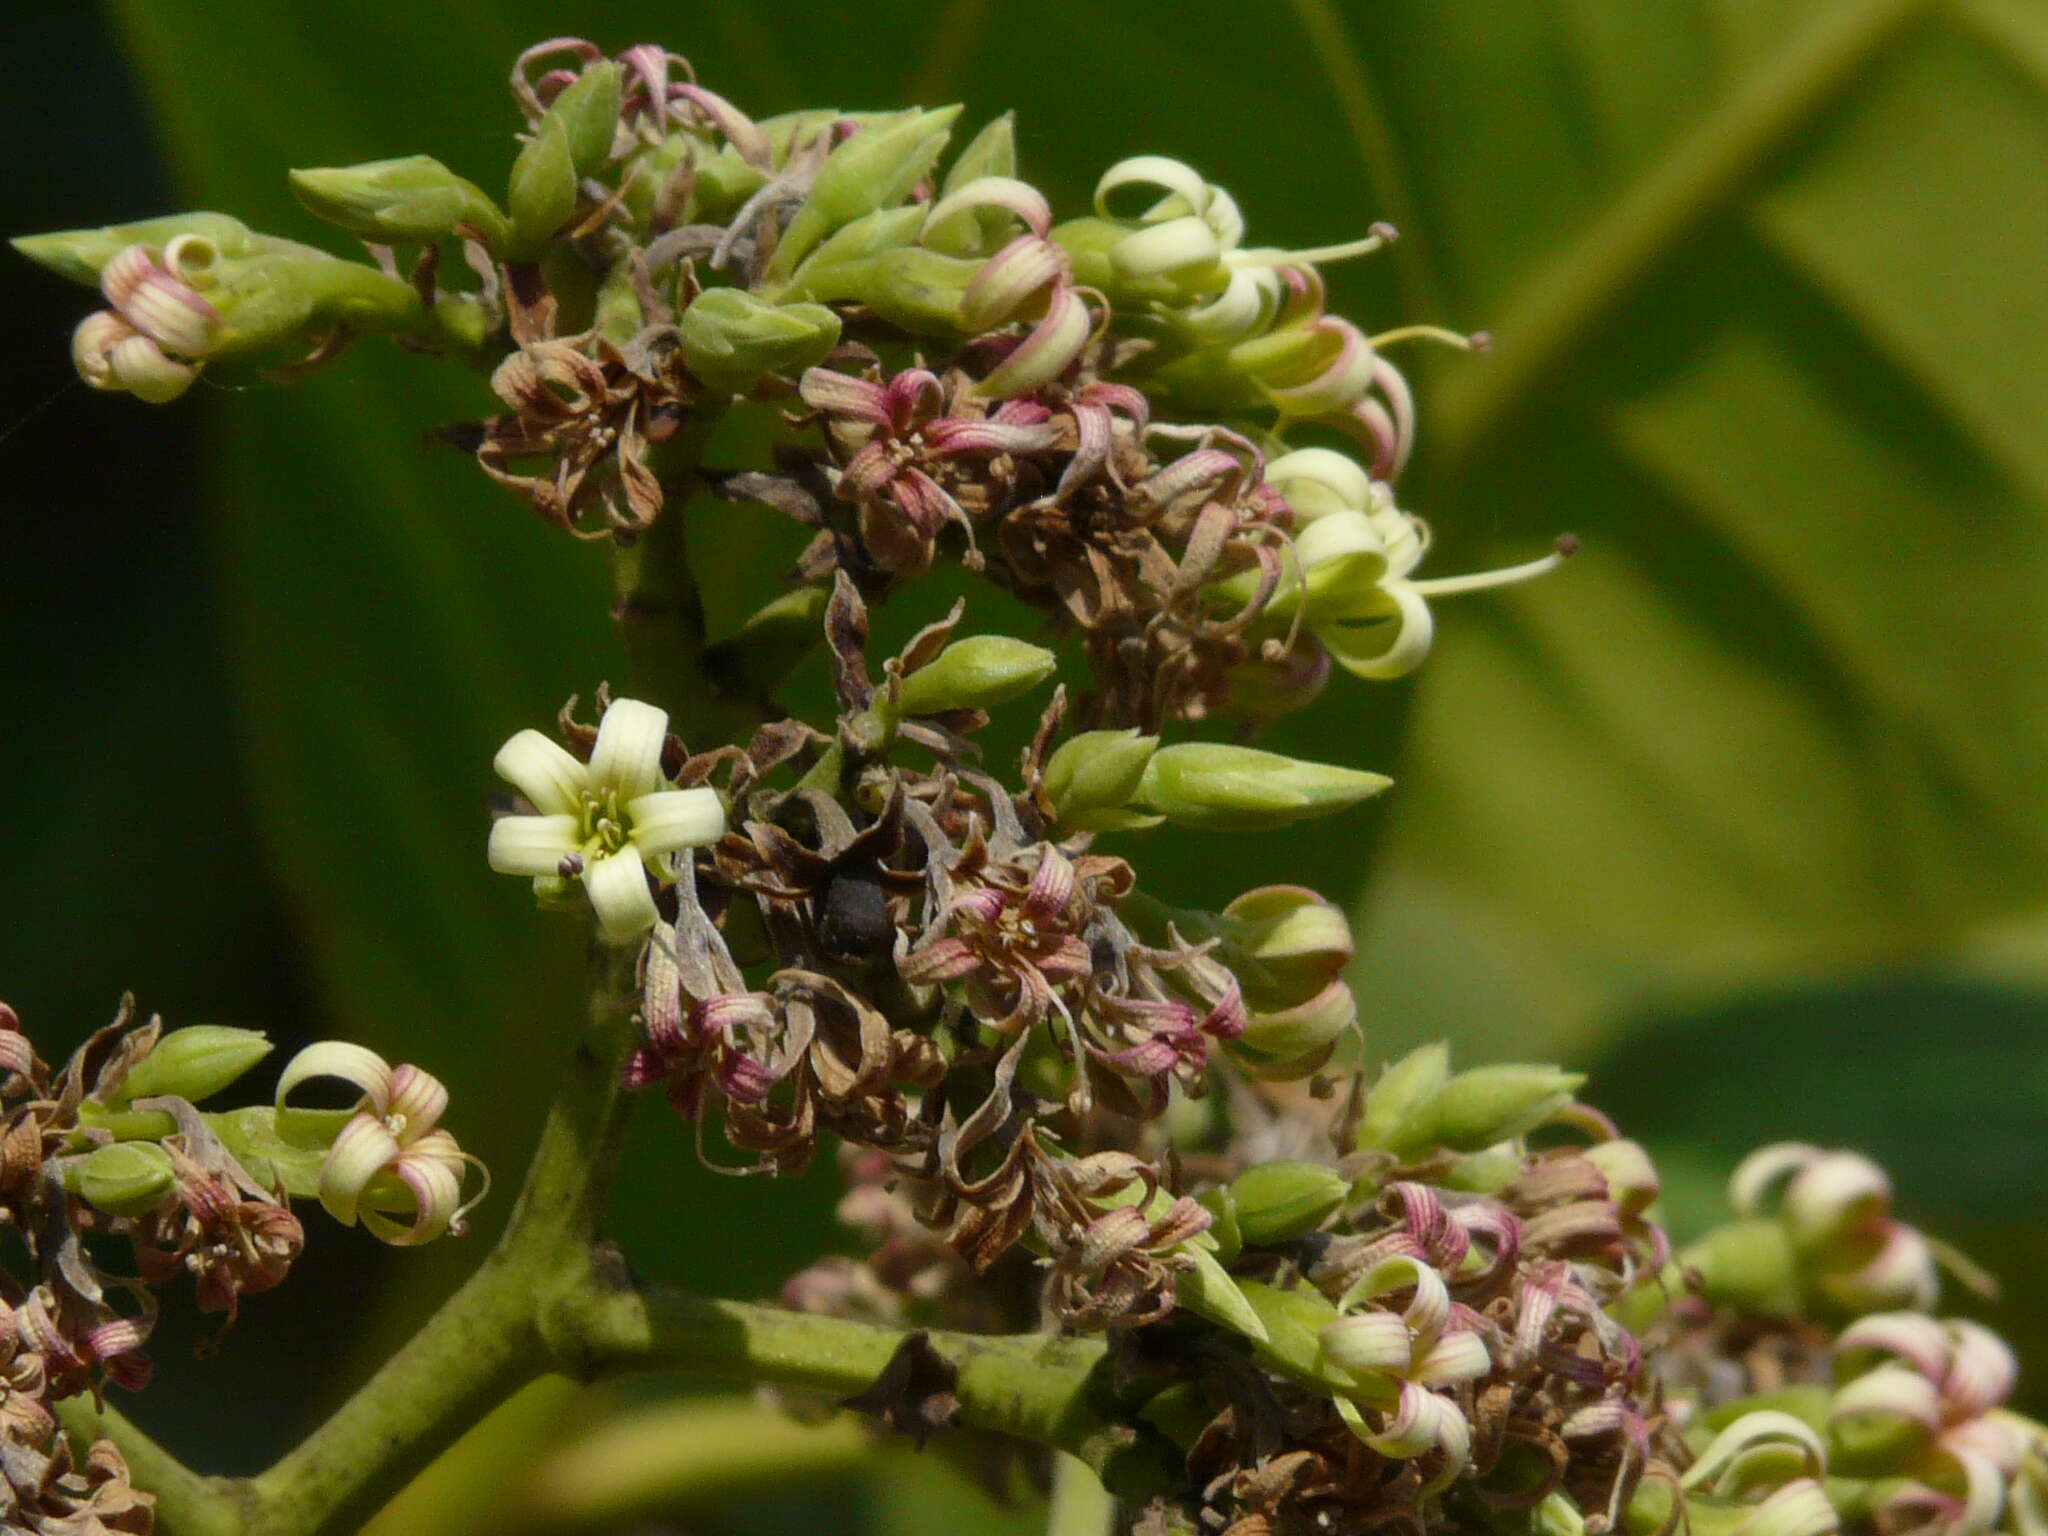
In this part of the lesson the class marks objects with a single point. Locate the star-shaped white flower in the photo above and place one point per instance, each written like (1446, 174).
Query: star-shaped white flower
(608, 823)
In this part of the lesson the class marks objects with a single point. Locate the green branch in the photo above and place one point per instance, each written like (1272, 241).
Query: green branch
(1051, 1391)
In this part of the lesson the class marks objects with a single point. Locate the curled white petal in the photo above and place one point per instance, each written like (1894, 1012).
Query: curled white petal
(1833, 1193)
(140, 366)
(92, 344)
(433, 1193)
(416, 1103)
(1919, 1341)
(1891, 1391)
(1174, 177)
(617, 886)
(1427, 1312)
(1368, 1344)
(1765, 1429)
(1800, 1508)
(1377, 651)
(1761, 1174)
(1006, 192)
(532, 845)
(627, 757)
(1454, 1358)
(1176, 245)
(541, 769)
(1342, 478)
(670, 820)
(346, 1060)
(364, 1149)
(1982, 1372)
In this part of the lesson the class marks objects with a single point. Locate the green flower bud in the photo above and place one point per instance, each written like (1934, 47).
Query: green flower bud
(124, 1179)
(1208, 1291)
(1287, 1043)
(979, 672)
(1278, 1201)
(1222, 1208)
(416, 198)
(910, 287)
(195, 1063)
(81, 254)
(991, 152)
(1093, 777)
(732, 339)
(542, 195)
(1747, 1265)
(1286, 941)
(1475, 1109)
(886, 229)
(1405, 1094)
(1294, 1321)
(589, 111)
(876, 168)
(1231, 788)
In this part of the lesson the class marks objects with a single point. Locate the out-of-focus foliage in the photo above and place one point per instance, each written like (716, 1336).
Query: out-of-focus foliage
(1762, 278)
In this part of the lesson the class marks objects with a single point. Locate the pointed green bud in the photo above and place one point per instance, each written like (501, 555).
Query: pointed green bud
(1094, 776)
(1475, 1109)
(991, 152)
(979, 672)
(1282, 1044)
(886, 229)
(876, 168)
(589, 110)
(127, 1178)
(1278, 1201)
(1405, 1094)
(414, 199)
(542, 195)
(1222, 1208)
(1208, 1291)
(195, 1063)
(1294, 1320)
(1231, 788)
(81, 254)
(1747, 1265)
(732, 340)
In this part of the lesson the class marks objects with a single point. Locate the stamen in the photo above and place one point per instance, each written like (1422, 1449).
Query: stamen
(1377, 238)
(1477, 341)
(1450, 586)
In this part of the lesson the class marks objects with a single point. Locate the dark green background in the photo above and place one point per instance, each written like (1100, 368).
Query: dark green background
(1744, 810)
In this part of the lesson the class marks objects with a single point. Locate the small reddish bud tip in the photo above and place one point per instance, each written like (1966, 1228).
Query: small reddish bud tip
(571, 866)
(1480, 341)
(1566, 546)
(1384, 231)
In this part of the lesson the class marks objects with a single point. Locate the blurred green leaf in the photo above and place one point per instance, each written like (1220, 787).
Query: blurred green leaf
(1757, 344)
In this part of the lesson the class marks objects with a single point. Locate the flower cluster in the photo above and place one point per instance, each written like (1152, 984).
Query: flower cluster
(113, 1145)
(1337, 1301)
(1092, 414)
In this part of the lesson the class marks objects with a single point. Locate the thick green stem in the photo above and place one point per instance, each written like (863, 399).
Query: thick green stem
(1052, 1391)
(486, 1341)
(187, 1504)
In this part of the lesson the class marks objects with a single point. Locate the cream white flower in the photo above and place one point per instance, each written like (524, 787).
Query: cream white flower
(1192, 237)
(1351, 580)
(391, 1159)
(608, 823)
